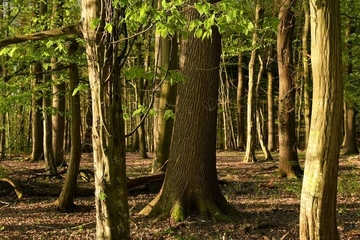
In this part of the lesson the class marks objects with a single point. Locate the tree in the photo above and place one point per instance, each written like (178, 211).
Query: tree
(288, 158)
(58, 92)
(191, 180)
(102, 45)
(241, 136)
(305, 60)
(350, 110)
(319, 189)
(167, 59)
(65, 201)
(251, 101)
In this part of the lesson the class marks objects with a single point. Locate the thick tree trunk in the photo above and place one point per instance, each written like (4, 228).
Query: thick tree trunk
(319, 189)
(112, 212)
(191, 179)
(288, 158)
(241, 134)
(65, 201)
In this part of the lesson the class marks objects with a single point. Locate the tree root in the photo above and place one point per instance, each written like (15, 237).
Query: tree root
(17, 190)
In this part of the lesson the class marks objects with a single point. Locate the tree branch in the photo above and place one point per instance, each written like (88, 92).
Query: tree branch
(67, 30)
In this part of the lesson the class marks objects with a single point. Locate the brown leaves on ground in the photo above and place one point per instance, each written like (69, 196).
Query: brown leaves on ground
(268, 206)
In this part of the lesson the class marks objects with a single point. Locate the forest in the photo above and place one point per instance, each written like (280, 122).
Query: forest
(183, 119)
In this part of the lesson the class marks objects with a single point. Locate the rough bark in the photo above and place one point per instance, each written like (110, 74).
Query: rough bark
(319, 189)
(112, 212)
(288, 158)
(191, 179)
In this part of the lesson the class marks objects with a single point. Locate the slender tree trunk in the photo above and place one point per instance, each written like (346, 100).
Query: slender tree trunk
(87, 141)
(319, 189)
(251, 101)
(288, 158)
(306, 61)
(50, 165)
(241, 133)
(58, 119)
(166, 58)
(112, 211)
(37, 131)
(350, 141)
(141, 85)
(271, 144)
(65, 201)
(259, 117)
(350, 136)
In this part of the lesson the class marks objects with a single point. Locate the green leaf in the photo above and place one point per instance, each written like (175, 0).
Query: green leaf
(108, 27)
(141, 110)
(102, 196)
(169, 114)
(81, 87)
(199, 33)
(95, 23)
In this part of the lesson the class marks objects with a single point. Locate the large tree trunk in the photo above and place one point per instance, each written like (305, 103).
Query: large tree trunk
(241, 135)
(288, 158)
(112, 212)
(318, 196)
(191, 179)
(167, 59)
(251, 101)
(65, 201)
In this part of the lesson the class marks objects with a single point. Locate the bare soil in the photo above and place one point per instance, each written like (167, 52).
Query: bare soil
(268, 205)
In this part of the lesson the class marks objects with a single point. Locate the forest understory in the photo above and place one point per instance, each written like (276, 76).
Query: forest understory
(268, 205)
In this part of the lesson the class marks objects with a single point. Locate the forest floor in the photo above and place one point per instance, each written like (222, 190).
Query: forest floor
(268, 206)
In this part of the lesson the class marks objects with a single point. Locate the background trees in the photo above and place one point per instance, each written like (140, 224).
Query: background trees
(118, 60)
